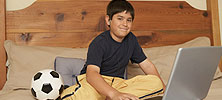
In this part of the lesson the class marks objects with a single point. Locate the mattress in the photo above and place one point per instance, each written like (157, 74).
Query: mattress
(215, 93)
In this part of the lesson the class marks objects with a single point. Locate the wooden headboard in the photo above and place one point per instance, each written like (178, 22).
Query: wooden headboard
(74, 23)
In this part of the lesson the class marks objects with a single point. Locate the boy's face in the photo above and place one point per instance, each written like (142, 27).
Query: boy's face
(120, 25)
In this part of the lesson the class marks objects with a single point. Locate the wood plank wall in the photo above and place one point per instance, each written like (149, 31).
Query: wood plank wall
(75, 23)
(2, 39)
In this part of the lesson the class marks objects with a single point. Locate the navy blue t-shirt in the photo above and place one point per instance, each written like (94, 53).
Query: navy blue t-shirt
(111, 56)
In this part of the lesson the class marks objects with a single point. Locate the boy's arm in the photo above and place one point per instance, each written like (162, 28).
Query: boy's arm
(95, 80)
(149, 69)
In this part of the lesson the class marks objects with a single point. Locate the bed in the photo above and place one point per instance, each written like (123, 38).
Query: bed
(31, 38)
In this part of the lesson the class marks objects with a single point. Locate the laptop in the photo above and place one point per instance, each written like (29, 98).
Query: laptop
(192, 73)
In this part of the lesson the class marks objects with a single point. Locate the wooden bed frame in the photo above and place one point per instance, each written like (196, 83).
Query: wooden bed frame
(74, 23)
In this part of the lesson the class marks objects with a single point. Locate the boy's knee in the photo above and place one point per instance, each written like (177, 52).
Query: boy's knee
(154, 80)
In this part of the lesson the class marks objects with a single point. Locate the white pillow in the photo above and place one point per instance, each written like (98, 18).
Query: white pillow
(25, 61)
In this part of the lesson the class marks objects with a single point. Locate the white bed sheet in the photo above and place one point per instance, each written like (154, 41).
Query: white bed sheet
(16, 95)
(215, 93)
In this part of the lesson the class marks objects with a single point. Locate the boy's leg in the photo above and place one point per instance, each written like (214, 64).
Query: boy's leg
(81, 91)
(141, 86)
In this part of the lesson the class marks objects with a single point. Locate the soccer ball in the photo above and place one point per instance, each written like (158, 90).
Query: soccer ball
(47, 84)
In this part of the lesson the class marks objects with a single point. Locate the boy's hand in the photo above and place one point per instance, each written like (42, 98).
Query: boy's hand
(123, 96)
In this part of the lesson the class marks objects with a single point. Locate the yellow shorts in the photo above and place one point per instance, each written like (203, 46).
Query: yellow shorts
(142, 86)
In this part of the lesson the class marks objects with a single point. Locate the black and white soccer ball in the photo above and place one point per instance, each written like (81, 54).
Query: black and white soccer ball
(47, 84)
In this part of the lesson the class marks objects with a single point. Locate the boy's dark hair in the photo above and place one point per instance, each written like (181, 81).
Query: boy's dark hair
(117, 6)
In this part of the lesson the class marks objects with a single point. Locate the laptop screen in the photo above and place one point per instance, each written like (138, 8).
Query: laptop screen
(192, 73)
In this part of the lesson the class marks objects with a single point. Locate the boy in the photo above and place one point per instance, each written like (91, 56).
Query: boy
(107, 58)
